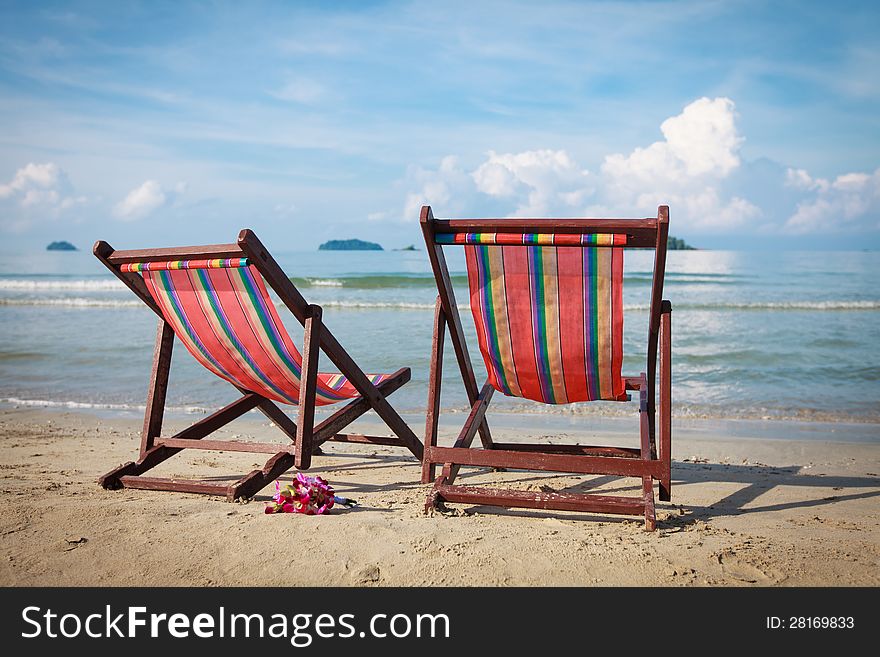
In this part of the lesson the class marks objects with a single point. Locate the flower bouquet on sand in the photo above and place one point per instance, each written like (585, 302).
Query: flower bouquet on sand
(309, 495)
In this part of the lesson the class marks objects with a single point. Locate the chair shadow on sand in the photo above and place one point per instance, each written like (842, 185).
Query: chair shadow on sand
(345, 488)
(758, 479)
(754, 480)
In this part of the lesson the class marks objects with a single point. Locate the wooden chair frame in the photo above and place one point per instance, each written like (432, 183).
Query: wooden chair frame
(652, 460)
(305, 436)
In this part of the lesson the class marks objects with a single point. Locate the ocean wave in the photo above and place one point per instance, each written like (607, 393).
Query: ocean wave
(81, 285)
(394, 281)
(686, 411)
(100, 406)
(80, 302)
(324, 282)
(376, 281)
(572, 411)
(775, 305)
(356, 304)
(71, 302)
(380, 305)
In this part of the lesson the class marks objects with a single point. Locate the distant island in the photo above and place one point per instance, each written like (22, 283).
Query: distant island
(61, 246)
(676, 244)
(411, 247)
(349, 245)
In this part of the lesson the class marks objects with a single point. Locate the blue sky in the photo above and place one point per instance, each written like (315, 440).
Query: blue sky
(153, 123)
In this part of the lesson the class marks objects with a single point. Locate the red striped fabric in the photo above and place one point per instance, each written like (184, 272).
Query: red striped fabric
(549, 320)
(227, 321)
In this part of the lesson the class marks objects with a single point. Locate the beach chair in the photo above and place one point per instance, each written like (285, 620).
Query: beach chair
(215, 300)
(547, 300)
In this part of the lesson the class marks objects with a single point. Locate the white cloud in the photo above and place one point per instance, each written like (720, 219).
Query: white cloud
(704, 137)
(448, 187)
(540, 182)
(144, 200)
(700, 150)
(800, 179)
(686, 169)
(701, 142)
(837, 205)
(696, 169)
(37, 192)
(301, 90)
(32, 177)
(72, 201)
(706, 210)
(530, 183)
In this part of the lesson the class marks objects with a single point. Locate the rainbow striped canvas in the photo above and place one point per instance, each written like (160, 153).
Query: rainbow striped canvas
(216, 263)
(555, 239)
(225, 318)
(549, 320)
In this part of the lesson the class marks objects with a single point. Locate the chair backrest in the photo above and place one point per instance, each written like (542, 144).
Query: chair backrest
(221, 311)
(549, 319)
(547, 301)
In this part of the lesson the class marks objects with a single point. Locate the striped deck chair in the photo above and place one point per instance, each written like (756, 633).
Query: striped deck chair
(216, 301)
(547, 301)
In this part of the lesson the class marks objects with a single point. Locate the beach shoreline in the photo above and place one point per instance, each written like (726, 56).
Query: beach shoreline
(754, 504)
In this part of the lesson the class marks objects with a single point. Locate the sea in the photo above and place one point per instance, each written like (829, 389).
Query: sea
(767, 336)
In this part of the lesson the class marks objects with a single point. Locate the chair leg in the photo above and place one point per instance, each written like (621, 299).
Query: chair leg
(308, 388)
(664, 490)
(666, 400)
(648, 494)
(429, 469)
(155, 411)
(434, 499)
(249, 485)
(111, 480)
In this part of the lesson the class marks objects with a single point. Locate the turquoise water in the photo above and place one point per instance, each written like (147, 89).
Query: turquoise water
(755, 335)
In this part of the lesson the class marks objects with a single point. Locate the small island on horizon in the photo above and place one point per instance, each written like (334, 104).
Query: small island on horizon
(61, 245)
(676, 244)
(350, 245)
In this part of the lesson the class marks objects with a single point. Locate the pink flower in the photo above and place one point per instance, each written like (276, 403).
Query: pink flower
(306, 494)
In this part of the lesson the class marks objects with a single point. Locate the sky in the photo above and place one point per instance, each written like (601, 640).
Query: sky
(160, 123)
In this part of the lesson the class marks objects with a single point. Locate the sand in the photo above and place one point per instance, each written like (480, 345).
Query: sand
(747, 511)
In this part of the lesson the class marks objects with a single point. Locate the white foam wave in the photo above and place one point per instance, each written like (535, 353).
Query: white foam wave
(102, 406)
(597, 410)
(395, 305)
(324, 282)
(411, 305)
(634, 307)
(782, 305)
(71, 404)
(82, 285)
(72, 302)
